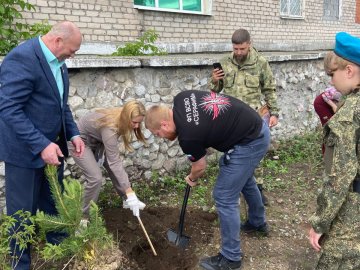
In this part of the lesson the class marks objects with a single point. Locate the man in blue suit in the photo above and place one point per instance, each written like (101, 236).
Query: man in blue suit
(36, 122)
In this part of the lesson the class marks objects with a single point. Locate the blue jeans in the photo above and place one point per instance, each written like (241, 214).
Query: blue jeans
(237, 175)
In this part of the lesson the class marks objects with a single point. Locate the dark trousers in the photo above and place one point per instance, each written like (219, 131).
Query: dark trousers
(28, 189)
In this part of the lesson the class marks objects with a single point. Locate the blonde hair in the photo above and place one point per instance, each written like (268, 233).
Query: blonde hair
(333, 62)
(119, 119)
(155, 115)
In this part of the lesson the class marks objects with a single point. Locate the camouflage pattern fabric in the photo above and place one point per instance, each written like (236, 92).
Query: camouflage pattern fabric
(338, 207)
(340, 259)
(252, 81)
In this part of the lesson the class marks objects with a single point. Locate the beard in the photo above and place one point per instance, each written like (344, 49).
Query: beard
(171, 136)
(240, 58)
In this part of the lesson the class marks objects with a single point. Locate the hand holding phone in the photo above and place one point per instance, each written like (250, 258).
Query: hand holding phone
(218, 72)
(217, 65)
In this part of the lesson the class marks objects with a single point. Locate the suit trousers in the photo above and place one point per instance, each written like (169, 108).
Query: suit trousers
(28, 189)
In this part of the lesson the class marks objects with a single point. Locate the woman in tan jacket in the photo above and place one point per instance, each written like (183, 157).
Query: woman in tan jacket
(100, 131)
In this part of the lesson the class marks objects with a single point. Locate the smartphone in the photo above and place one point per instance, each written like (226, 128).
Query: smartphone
(217, 65)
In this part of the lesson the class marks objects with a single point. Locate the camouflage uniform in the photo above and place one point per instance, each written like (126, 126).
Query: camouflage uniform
(251, 82)
(338, 206)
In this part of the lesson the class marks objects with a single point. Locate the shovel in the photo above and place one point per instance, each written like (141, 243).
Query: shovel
(178, 238)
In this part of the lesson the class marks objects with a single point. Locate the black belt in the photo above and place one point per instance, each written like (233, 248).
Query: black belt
(356, 185)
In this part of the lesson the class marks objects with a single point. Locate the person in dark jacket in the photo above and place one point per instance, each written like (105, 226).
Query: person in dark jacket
(36, 123)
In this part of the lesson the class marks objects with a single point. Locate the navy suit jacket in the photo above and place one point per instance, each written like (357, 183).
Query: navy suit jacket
(31, 115)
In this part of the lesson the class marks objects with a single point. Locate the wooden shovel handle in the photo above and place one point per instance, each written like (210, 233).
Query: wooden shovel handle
(147, 236)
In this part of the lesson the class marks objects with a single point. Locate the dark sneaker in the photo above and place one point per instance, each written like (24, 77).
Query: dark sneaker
(263, 197)
(248, 228)
(219, 262)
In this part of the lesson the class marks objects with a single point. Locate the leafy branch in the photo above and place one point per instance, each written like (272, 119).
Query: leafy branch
(143, 46)
(84, 242)
(12, 30)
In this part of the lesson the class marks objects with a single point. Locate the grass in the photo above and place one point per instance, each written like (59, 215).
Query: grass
(276, 164)
(292, 176)
(305, 149)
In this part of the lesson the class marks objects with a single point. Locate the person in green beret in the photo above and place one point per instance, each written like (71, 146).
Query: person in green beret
(335, 225)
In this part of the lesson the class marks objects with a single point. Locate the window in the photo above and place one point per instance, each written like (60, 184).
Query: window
(291, 9)
(331, 10)
(183, 6)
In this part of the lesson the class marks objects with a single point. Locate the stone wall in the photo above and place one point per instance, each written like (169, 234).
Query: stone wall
(298, 82)
(117, 21)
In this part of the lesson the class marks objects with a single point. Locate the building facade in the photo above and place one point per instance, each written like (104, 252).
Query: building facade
(206, 25)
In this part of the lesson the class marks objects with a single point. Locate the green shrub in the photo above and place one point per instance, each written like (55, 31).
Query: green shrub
(82, 240)
(143, 46)
(84, 243)
(12, 31)
(22, 237)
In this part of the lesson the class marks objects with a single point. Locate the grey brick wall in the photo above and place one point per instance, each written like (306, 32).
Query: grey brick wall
(117, 21)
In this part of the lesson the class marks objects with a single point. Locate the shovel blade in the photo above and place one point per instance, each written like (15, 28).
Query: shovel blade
(179, 240)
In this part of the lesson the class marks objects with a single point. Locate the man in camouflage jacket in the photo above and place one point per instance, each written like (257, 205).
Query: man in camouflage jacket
(337, 216)
(247, 75)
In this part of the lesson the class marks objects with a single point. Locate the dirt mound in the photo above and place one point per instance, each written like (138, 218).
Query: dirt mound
(127, 231)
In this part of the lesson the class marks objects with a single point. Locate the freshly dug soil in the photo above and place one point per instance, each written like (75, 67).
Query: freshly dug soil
(292, 202)
(133, 243)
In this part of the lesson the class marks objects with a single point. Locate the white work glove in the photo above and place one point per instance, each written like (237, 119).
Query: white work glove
(82, 226)
(134, 204)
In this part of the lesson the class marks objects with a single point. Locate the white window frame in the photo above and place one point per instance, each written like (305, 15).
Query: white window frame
(206, 8)
(287, 15)
(340, 12)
